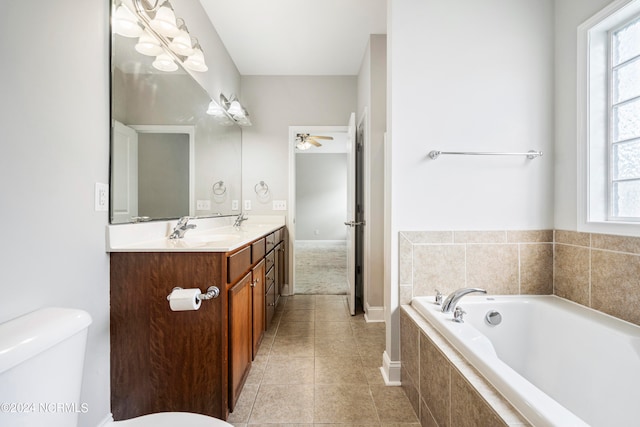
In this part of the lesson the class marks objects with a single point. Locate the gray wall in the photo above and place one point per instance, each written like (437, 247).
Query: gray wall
(54, 128)
(275, 103)
(54, 131)
(321, 196)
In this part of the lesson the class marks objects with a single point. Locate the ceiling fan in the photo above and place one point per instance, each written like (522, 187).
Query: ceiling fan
(304, 141)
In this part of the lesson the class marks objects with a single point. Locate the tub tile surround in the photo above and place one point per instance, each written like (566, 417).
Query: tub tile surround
(502, 262)
(596, 270)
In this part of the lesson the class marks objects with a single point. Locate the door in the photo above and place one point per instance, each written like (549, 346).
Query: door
(351, 222)
(124, 177)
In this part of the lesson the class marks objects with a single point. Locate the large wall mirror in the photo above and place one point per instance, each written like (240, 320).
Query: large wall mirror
(169, 158)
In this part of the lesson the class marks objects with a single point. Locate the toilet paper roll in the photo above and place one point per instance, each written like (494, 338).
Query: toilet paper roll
(184, 299)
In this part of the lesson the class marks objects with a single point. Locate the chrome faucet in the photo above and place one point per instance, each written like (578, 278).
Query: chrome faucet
(181, 228)
(452, 300)
(240, 219)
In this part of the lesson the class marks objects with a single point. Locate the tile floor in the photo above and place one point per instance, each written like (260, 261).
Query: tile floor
(319, 365)
(321, 267)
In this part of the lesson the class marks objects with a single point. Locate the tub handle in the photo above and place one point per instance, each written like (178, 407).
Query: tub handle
(438, 297)
(458, 314)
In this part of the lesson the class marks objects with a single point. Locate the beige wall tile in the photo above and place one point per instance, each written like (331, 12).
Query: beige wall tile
(571, 277)
(493, 267)
(614, 280)
(536, 269)
(438, 267)
(435, 381)
(409, 346)
(405, 266)
(426, 418)
(480, 237)
(406, 294)
(468, 409)
(616, 243)
(417, 237)
(530, 236)
(572, 238)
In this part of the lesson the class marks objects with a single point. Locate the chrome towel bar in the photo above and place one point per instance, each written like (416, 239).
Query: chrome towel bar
(531, 154)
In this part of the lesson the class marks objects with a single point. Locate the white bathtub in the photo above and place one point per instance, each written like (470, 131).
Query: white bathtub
(558, 363)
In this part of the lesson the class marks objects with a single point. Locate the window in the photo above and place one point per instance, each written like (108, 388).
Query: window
(624, 119)
(609, 120)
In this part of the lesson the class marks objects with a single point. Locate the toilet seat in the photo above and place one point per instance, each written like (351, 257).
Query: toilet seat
(171, 419)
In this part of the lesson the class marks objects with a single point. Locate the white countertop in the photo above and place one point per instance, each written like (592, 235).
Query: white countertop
(210, 235)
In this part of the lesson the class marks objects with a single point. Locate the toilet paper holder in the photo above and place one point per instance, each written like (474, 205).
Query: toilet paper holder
(212, 292)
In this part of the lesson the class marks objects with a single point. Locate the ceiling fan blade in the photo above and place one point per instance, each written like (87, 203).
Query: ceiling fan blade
(320, 137)
(310, 140)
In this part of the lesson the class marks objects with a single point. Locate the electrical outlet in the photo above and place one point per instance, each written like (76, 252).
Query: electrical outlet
(279, 205)
(203, 205)
(235, 205)
(247, 205)
(101, 197)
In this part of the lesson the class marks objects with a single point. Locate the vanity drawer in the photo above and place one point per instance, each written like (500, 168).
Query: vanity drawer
(257, 251)
(238, 264)
(270, 278)
(271, 241)
(270, 260)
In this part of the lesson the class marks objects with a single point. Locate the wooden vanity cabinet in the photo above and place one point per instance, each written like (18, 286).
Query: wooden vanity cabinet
(163, 360)
(189, 361)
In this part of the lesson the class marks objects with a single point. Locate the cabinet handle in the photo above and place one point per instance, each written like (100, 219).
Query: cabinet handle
(254, 283)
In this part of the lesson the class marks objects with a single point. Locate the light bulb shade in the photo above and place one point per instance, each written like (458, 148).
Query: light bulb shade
(235, 109)
(181, 44)
(148, 45)
(215, 110)
(195, 61)
(164, 62)
(303, 145)
(125, 23)
(165, 21)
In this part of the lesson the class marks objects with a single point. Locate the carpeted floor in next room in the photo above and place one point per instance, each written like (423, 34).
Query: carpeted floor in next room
(321, 267)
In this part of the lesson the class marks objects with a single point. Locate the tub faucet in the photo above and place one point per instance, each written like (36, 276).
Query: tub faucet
(452, 300)
(181, 228)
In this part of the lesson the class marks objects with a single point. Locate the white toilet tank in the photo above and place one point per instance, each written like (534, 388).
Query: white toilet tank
(41, 362)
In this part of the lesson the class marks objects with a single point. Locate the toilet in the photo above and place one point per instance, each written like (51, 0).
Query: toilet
(41, 364)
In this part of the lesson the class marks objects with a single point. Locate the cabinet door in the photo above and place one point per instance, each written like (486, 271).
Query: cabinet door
(258, 301)
(240, 338)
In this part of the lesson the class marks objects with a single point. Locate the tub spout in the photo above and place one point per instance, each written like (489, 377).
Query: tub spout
(452, 300)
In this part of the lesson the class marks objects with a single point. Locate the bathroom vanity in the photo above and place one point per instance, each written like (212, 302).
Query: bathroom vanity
(192, 361)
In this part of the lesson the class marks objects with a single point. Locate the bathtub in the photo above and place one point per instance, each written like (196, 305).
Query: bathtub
(558, 363)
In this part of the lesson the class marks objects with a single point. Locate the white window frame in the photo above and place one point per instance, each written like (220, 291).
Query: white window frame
(593, 124)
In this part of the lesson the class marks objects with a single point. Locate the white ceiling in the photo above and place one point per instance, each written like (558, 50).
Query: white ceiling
(297, 37)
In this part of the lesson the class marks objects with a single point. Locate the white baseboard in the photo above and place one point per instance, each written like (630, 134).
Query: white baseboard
(390, 371)
(373, 314)
(106, 422)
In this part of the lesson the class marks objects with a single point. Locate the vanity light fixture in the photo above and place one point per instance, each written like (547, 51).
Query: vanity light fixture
(160, 34)
(237, 112)
(164, 62)
(181, 43)
(125, 22)
(164, 20)
(148, 45)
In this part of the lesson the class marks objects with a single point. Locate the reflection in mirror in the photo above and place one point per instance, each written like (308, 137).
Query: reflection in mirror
(169, 158)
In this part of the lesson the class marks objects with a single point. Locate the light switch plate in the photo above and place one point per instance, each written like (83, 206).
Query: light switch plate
(101, 197)
(247, 205)
(235, 205)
